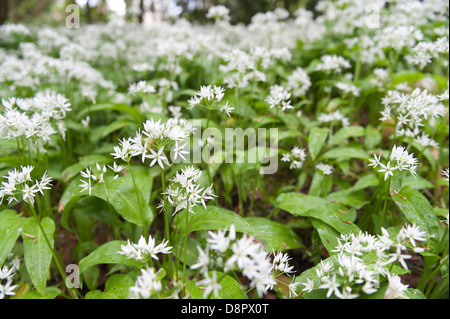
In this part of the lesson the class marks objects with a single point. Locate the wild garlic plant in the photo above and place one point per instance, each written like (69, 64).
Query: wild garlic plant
(148, 283)
(210, 98)
(363, 262)
(229, 254)
(33, 121)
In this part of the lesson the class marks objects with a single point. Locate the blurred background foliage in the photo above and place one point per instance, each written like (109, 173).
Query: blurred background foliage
(53, 12)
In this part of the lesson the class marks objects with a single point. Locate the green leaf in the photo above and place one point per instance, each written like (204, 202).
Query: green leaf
(418, 210)
(121, 194)
(37, 254)
(345, 133)
(333, 214)
(111, 107)
(316, 140)
(107, 254)
(346, 152)
(328, 235)
(373, 137)
(50, 293)
(10, 228)
(212, 218)
(116, 287)
(274, 235)
(231, 289)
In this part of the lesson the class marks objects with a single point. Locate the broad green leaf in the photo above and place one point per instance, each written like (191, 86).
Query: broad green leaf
(212, 218)
(418, 210)
(345, 152)
(37, 254)
(316, 140)
(116, 287)
(50, 293)
(328, 235)
(396, 183)
(416, 183)
(274, 235)
(111, 107)
(122, 196)
(366, 181)
(321, 184)
(333, 214)
(10, 228)
(345, 133)
(191, 251)
(356, 199)
(231, 289)
(373, 137)
(100, 132)
(107, 254)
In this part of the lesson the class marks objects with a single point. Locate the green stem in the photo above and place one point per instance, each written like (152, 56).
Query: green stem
(166, 212)
(47, 241)
(111, 214)
(145, 232)
(185, 244)
(386, 199)
(209, 116)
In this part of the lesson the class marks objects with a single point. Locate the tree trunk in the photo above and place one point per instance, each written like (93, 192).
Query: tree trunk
(88, 13)
(141, 14)
(4, 8)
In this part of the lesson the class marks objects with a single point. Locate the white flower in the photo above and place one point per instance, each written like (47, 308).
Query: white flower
(293, 288)
(325, 168)
(332, 285)
(146, 284)
(309, 285)
(159, 157)
(226, 109)
(7, 289)
(212, 286)
(145, 250)
(203, 260)
(387, 169)
(395, 288)
(142, 87)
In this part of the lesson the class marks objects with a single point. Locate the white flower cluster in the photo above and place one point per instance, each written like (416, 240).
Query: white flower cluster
(411, 111)
(296, 157)
(445, 173)
(279, 97)
(146, 284)
(333, 63)
(424, 51)
(403, 161)
(97, 176)
(144, 250)
(154, 140)
(332, 117)
(184, 192)
(141, 87)
(209, 98)
(246, 255)
(325, 168)
(35, 117)
(6, 280)
(218, 12)
(20, 182)
(149, 281)
(299, 82)
(348, 275)
(348, 88)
